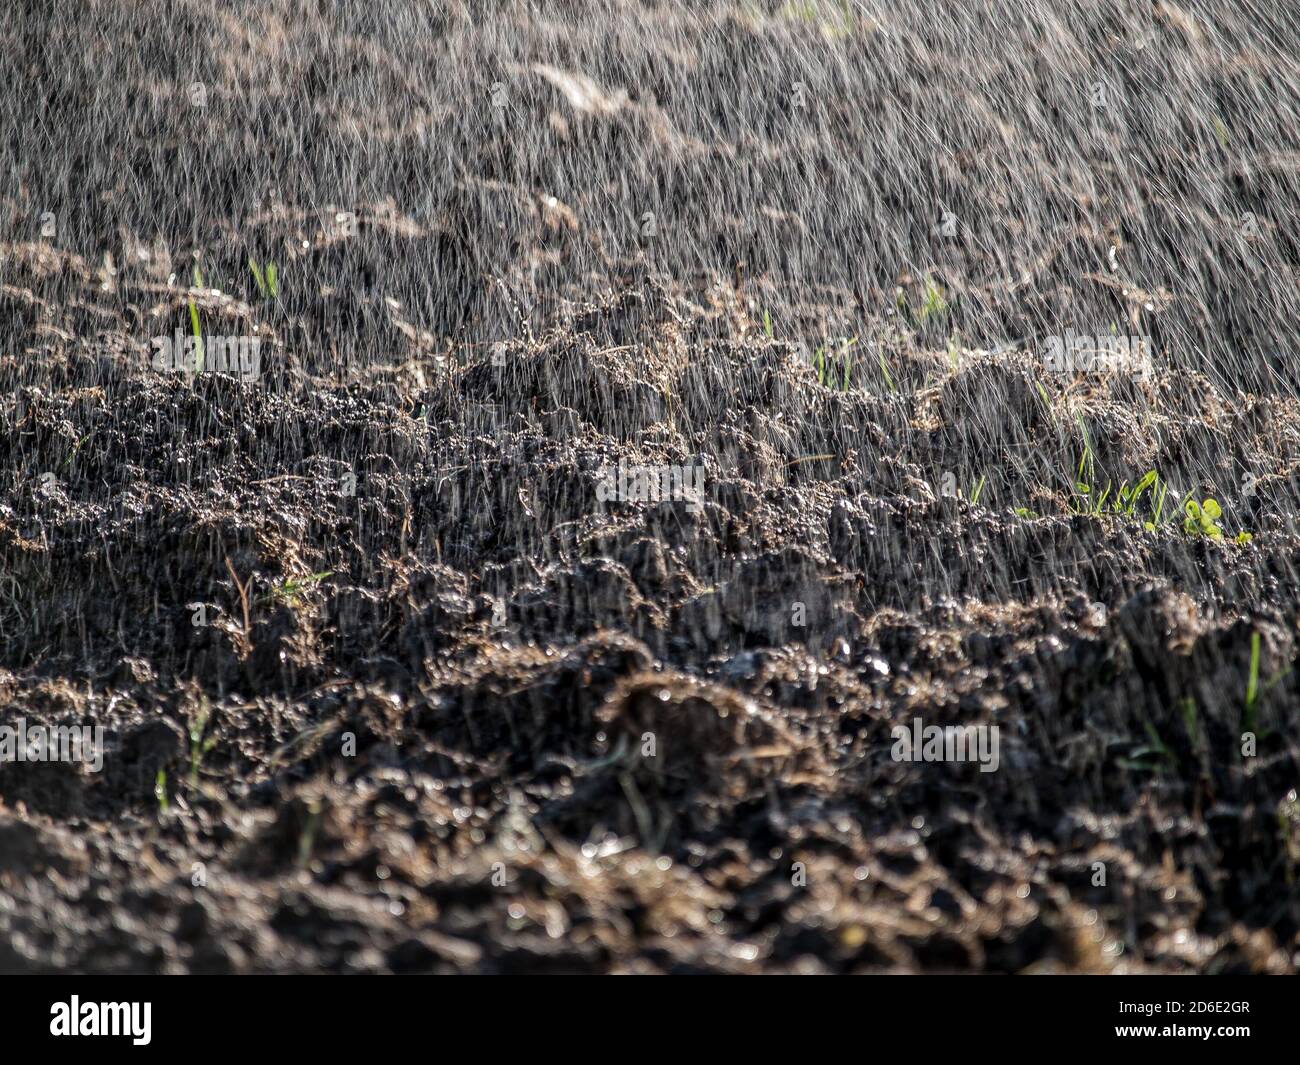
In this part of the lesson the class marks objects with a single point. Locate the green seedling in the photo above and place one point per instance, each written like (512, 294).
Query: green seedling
(1047, 402)
(1152, 756)
(834, 20)
(1250, 718)
(267, 279)
(1126, 501)
(829, 367)
(1202, 518)
(1250, 704)
(884, 369)
(805, 12)
(975, 495)
(1162, 491)
(1129, 496)
(1087, 467)
(194, 323)
(767, 324)
(932, 303)
(160, 791)
(1084, 476)
(290, 591)
(199, 746)
(77, 447)
(1025, 512)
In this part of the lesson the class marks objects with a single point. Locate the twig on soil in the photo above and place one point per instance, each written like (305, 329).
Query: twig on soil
(242, 588)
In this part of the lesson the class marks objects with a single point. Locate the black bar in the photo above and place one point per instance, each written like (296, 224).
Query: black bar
(966, 1015)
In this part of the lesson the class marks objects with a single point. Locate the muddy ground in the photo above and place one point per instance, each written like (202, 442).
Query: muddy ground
(392, 681)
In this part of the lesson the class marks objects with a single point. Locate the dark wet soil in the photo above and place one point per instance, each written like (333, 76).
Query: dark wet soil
(390, 683)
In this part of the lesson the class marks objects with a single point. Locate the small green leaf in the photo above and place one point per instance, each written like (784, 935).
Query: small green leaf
(257, 277)
(1252, 682)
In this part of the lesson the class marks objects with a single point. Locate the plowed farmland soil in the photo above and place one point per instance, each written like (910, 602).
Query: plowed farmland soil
(649, 424)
